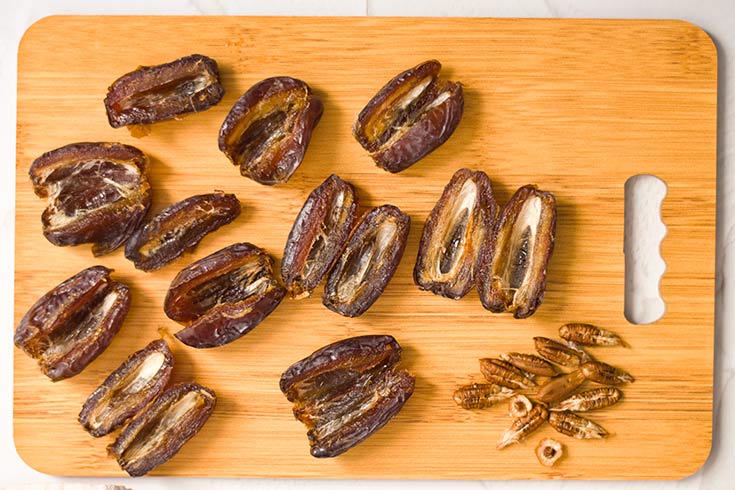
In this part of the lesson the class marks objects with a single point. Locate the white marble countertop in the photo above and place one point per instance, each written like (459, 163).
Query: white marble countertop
(717, 17)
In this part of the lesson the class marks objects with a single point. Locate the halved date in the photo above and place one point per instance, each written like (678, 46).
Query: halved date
(411, 116)
(453, 234)
(97, 193)
(269, 128)
(156, 434)
(346, 391)
(180, 227)
(68, 327)
(151, 94)
(223, 296)
(512, 275)
(318, 236)
(128, 389)
(368, 261)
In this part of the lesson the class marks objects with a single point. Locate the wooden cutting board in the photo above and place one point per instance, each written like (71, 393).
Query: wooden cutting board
(576, 106)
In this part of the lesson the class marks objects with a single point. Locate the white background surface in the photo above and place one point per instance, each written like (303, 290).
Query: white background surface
(717, 17)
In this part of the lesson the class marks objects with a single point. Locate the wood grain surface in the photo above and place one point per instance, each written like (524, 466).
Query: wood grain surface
(576, 106)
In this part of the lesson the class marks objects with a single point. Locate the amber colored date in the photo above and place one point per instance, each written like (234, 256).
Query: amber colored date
(97, 193)
(157, 433)
(453, 235)
(368, 261)
(346, 391)
(69, 326)
(269, 128)
(178, 228)
(151, 94)
(223, 296)
(318, 236)
(128, 389)
(411, 116)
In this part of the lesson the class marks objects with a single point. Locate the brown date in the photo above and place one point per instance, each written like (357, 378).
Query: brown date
(319, 233)
(69, 326)
(97, 193)
(223, 296)
(346, 391)
(151, 94)
(368, 261)
(269, 128)
(157, 433)
(128, 389)
(453, 234)
(411, 116)
(178, 228)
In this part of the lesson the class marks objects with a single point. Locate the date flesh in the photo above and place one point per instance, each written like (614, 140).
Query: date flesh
(180, 227)
(411, 116)
(68, 327)
(97, 193)
(346, 391)
(368, 261)
(512, 274)
(128, 389)
(157, 93)
(453, 235)
(318, 235)
(156, 434)
(223, 296)
(269, 128)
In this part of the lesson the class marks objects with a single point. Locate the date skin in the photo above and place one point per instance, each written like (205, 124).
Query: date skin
(151, 94)
(368, 261)
(128, 389)
(453, 235)
(179, 228)
(269, 128)
(411, 116)
(319, 234)
(97, 193)
(156, 434)
(223, 296)
(346, 391)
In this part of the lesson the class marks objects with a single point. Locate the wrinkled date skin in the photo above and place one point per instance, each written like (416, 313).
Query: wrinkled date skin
(409, 117)
(97, 193)
(269, 128)
(129, 388)
(157, 433)
(346, 391)
(72, 324)
(453, 235)
(368, 261)
(318, 236)
(223, 296)
(180, 227)
(512, 275)
(152, 94)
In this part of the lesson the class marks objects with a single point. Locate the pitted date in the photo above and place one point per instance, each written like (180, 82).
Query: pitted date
(512, 275)
(318, 236)
(97, 193)
(128, 389)
(180, 227)
(269, 128)
(158, 93)
(156, 434)
(223, 296)
(346, 391)
(409, 117)
(68, 327)
(453, 234)
(368, 261)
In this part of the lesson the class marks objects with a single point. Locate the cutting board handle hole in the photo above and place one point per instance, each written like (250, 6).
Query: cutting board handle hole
(644, 232)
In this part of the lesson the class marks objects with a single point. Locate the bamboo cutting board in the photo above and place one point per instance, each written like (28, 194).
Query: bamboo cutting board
(576, 106)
